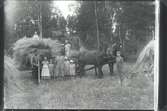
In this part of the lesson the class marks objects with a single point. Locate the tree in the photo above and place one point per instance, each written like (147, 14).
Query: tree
(26, 17)
(135, 20)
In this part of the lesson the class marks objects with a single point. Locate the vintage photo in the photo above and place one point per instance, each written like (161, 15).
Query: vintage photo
(80, 54)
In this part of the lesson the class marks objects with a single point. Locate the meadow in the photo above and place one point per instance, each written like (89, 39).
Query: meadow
(87, 92)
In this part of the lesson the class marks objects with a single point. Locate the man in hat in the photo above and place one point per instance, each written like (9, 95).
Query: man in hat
(35, 65)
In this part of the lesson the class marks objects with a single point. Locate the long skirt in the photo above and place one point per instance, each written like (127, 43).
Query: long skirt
(45, 72)
(60, 69)
(51, 70)
(72, 69)
(67, 68)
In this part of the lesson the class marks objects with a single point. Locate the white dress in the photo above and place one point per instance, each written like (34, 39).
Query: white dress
(72, 69)
(45, 70)
(36, 37)
(67, 67)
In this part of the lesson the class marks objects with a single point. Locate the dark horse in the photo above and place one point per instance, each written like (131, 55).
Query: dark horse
(96, 57)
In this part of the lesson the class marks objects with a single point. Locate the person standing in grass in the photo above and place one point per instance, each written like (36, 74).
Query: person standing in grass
(55, 68)
(60, 67)
(34, 63)
(45, 69)
(72, 68)
(51, 68)
(119, 65)
(67, 67)
(35, 36)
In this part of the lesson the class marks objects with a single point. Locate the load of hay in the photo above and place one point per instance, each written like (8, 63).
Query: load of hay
(24, 48)
(145, 60)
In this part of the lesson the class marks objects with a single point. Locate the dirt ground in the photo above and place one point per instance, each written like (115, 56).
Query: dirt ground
(87, 92)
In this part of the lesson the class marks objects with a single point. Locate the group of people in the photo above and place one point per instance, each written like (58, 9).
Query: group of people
(62, 65)
(59, 66)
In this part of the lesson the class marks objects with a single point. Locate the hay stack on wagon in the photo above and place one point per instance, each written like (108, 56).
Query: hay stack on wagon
(24, 48)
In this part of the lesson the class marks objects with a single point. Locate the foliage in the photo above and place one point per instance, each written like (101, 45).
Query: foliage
(130, 23)
(22, 18)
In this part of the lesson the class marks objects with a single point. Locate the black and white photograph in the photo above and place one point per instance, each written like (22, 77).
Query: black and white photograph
(71, 54)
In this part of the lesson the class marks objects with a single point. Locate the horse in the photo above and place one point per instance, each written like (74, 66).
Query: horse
(96, 57)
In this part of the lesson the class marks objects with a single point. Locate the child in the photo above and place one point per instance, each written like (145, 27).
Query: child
(51, 68)
(119, 65)
(45, 69)
(72, 68)
(67, 67)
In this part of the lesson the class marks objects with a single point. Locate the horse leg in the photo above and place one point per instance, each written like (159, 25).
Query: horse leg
(100, 72)
(95, 71)
(111, 65)
(81, 70)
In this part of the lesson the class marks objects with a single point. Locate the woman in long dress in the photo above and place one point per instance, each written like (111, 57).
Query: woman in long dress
(51, 68)
(45, 69)
(72, 68)
(60, 67)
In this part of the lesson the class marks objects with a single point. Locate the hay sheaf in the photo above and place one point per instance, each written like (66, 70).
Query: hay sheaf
(146, 56)
(145, 60)
(24, 47)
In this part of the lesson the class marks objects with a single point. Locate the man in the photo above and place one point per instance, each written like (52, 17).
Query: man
(35, 65)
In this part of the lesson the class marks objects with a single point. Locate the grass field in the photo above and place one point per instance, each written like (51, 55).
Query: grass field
(87, 92)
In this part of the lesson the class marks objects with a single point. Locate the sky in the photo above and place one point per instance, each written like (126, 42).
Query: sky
(66, 7)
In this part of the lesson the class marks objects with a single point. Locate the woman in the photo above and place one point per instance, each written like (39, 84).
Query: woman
(119, 66)
(60, 66)
(45, 69)
(51, 68)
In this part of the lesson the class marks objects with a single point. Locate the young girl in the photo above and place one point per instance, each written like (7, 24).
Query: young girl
(119, 65)
(45, 69)
(72, 68)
